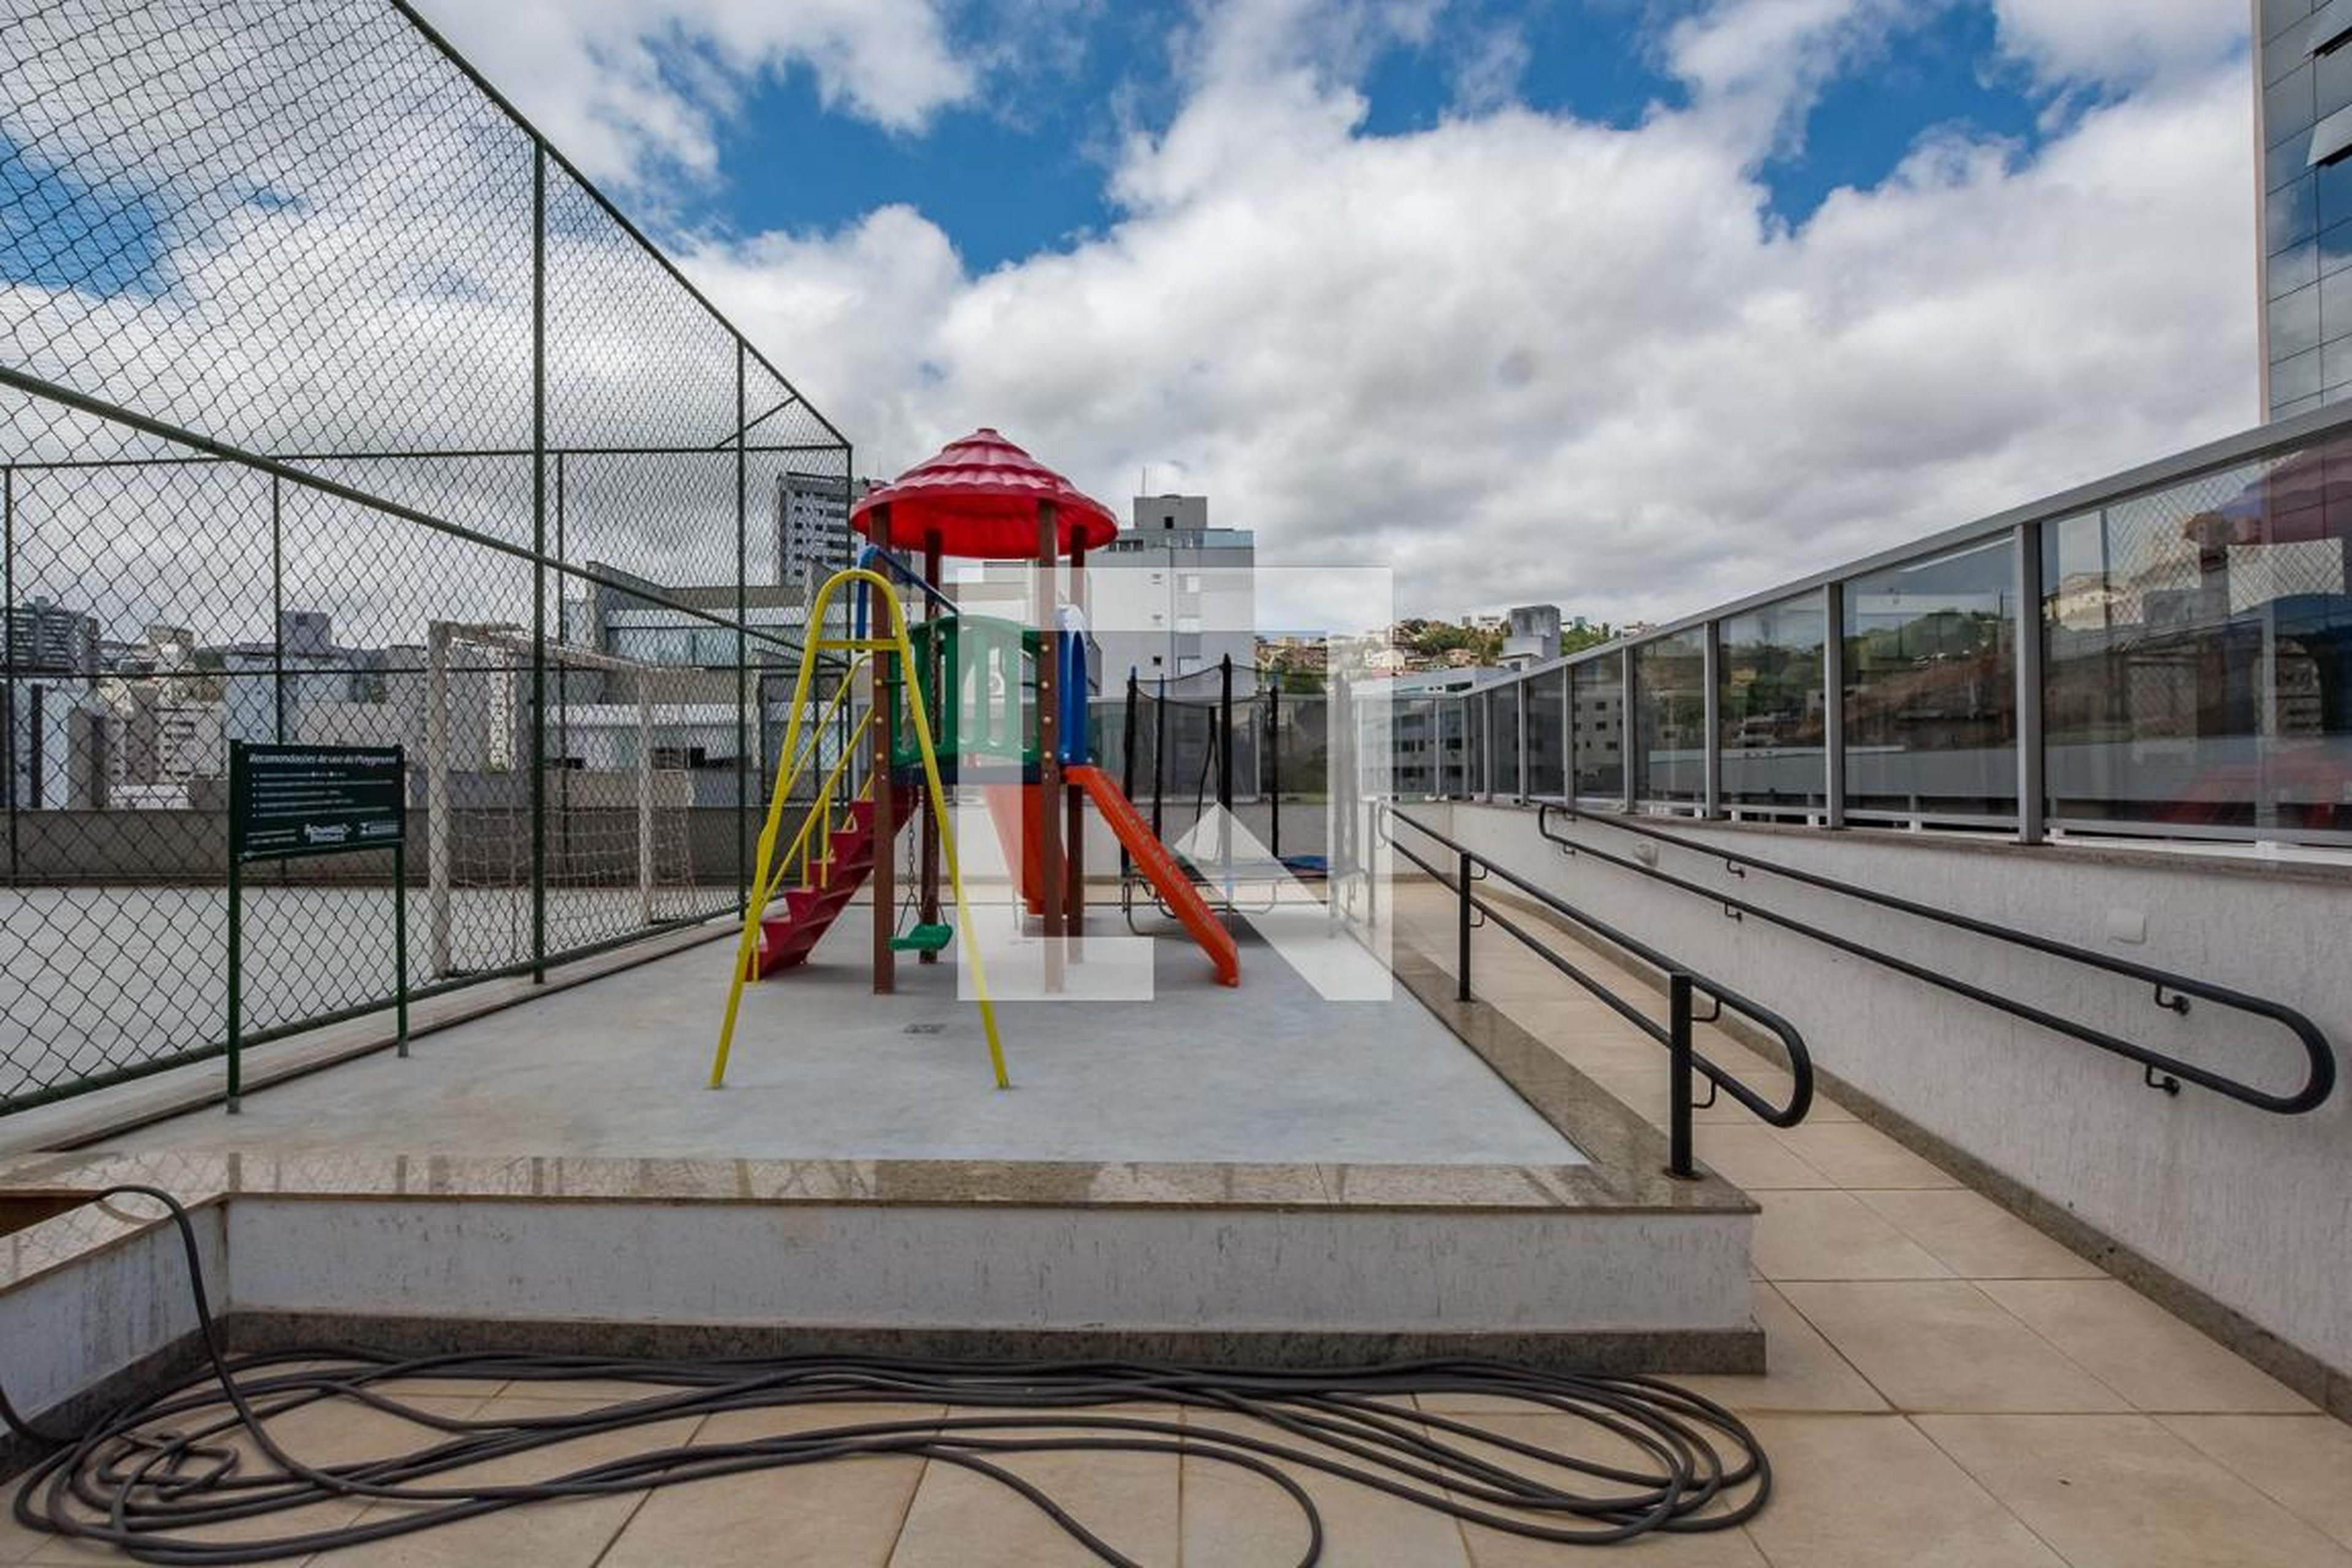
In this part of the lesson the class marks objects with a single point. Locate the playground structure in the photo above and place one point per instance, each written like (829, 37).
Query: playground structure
(951, 699)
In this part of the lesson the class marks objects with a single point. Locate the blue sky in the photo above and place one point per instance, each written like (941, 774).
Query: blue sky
(1030, 171)
(1628, 305)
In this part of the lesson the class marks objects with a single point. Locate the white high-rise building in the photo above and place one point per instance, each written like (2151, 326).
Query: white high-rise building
(1173, 597)
(812, 535)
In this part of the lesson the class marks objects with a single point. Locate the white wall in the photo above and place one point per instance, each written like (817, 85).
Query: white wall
(891, 1264)
(91, 1318)
(2251, 1208)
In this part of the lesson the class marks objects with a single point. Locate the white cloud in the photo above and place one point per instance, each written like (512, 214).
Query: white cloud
(634, 88)
(1521, 357)
(2120, 42)
(1755, 65)
(1517, 356)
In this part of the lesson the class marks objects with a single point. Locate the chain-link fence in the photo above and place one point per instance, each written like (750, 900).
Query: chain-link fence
(336, 407)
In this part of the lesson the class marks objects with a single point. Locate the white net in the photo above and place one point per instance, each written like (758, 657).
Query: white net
(611, 812)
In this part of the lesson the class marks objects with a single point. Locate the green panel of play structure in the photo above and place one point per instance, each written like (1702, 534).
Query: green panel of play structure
(988, 663)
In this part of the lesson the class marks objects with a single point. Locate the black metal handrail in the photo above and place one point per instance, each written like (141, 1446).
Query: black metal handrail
(1684, 1059)
(2171, 991)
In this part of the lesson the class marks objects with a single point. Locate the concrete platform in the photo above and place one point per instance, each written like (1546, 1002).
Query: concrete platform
(1254, 1176)
(824, 1070)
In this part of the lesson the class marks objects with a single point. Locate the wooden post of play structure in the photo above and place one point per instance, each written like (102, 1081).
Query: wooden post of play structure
(1074, 832)
(1049, 743)
(939, 684)
(886, 898)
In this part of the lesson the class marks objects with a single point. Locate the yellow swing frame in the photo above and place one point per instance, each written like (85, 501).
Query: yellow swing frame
(763, 884)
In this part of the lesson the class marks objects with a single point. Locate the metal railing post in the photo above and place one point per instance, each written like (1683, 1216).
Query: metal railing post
(1711, 708)
(1629, 785)
(1462, 985)
(1678, 1076)
(2032, 785)
(1833, 705)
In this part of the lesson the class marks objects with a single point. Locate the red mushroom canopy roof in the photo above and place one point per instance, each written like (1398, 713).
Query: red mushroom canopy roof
(979, 495)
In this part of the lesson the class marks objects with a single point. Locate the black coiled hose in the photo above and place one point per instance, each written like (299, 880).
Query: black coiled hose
(154, 1476)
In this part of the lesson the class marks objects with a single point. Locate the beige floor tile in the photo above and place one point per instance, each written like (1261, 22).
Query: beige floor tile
(1774, 1088)
(843, 1513)
(748, 1426)
(1976, 1237)
(1870, 1491)
(341, 1432)
(1491, 1547)
(960, 1519)
(578, 1391)
(1480, 1404)
(1854, 1156)
(2122, 1492)
(1534, 986)
(60, 1552)
(1599, 1039)
(323, 1433)
(1749, 1155)
(1826, 1110)
(1730, 1548)
(568, 1533)
(2134, 1346)
(1234, 1518)
(1944, 1344)
(475, 1388)
(1729, 1054)
(18, 1543)
(1642, 1088)
(21, 1545)
(1802, 1372)
(2301, 1462)
(1805, 1235)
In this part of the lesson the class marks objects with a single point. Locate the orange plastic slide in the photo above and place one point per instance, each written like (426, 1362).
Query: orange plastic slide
(1168, 879)
(1014, 808)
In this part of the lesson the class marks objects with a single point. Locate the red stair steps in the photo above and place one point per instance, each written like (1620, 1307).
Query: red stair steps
(787, 938)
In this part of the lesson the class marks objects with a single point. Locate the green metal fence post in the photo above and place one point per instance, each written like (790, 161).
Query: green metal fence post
(277, 611)
(539, 561)
(235, 921)
(8, 658)
(400, 926)
(742, 648)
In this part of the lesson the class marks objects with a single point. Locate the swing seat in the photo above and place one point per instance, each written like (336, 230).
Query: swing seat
(924, 938)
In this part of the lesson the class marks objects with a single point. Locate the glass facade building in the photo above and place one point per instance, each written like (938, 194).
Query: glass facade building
(2169, 656)
(2304, 54)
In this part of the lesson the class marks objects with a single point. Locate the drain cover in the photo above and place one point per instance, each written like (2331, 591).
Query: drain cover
(926, 1028)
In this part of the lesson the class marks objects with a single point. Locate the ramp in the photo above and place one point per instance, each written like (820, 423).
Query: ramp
(1168, 879)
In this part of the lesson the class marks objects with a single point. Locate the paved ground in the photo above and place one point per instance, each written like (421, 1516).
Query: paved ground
(1949, 1389)
(1269, 1071)
(94, 979)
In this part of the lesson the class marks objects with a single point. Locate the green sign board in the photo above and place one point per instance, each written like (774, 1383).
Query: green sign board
(314, 800)
(285, 801)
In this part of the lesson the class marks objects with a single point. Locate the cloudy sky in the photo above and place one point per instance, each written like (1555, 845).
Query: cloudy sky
(1631, 304)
